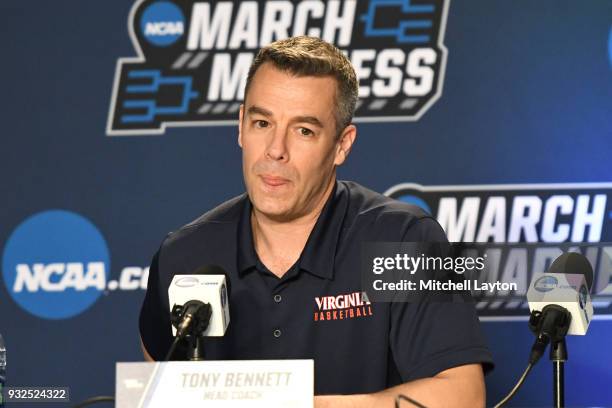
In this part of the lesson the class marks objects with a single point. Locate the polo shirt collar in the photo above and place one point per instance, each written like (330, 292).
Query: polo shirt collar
(318, 255)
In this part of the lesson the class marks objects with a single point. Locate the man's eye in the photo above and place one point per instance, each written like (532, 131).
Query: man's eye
(261, 124)
(306, 132)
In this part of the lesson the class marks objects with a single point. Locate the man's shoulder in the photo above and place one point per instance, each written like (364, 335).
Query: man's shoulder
(225, 215)
(228, 211)
(388, 219)
(366, 202)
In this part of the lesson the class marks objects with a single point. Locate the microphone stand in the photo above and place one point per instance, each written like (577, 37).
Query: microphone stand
(191, 320)
(195, 352)
(558, 355)
(551, 325)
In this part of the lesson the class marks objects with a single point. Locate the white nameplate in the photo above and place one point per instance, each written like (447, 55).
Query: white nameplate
(216, 384)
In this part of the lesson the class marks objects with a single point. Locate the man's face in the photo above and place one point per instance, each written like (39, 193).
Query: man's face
(287, 133)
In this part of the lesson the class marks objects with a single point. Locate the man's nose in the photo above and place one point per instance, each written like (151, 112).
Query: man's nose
(277, 145)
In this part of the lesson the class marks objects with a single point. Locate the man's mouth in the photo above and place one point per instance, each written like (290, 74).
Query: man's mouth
(274, 181)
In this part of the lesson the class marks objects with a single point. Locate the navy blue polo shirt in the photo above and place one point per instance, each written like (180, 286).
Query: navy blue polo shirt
(317, 309)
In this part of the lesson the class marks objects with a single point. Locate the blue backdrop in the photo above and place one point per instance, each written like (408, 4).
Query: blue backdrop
(527, 98)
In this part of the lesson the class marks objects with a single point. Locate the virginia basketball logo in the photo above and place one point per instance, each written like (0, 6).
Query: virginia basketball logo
(341, 307)
(193, 57)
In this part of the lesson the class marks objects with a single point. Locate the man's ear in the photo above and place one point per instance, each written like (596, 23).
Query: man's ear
(240, 116)
(344, 144)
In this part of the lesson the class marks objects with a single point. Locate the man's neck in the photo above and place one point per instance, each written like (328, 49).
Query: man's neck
(279, 244)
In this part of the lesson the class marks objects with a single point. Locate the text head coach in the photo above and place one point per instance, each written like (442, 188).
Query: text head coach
(291, 248)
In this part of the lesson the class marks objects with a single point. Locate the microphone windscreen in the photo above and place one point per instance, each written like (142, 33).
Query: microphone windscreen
(573, 263)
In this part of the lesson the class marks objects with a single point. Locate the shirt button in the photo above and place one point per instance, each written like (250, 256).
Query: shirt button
(278, 298)
(277, 333)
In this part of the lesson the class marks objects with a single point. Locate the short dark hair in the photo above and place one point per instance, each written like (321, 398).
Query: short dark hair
(304, 56)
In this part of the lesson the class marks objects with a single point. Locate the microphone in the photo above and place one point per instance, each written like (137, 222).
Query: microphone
(199, 307)
(560, 304)
(566, 284)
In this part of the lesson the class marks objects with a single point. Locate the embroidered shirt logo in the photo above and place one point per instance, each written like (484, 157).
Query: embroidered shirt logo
(340, 307)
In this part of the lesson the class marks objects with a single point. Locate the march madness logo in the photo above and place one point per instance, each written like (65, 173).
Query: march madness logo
(193, 57)
(548, 219)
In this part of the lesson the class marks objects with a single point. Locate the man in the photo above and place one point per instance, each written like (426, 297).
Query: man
(292, 243)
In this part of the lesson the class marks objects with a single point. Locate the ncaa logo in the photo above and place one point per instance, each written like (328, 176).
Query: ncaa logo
(187, 282)
(546, 284)
(162, 23)
(55, 264)
(414, 200)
